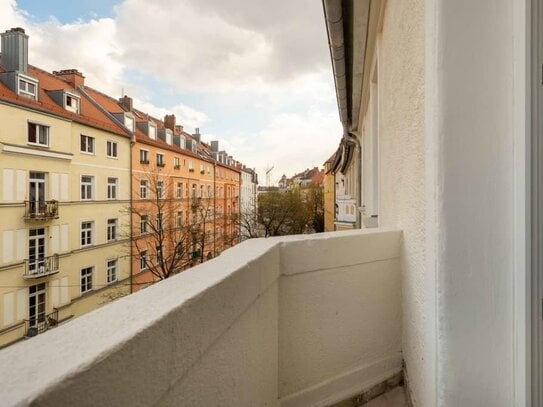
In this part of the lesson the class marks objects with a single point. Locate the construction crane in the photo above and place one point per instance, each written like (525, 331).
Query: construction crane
(268, 171)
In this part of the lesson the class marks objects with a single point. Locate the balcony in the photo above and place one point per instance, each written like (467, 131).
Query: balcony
(296, 321)
(41, 210)
(41, 267)
(33, 328)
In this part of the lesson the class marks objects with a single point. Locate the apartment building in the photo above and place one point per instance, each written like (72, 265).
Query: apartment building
(184, 200)
(64, 168)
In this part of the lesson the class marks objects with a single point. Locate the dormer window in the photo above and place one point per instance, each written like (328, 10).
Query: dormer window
(129, 122)
(28, 87)
(152, 131)
(71, 103)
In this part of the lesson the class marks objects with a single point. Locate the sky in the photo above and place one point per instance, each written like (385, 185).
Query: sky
(253, 74)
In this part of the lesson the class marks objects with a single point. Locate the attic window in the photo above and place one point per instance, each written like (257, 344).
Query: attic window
(28, 88)
(71, 103)
(129, 122)
(152, 132)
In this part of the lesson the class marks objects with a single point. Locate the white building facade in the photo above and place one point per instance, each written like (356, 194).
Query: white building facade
(440, 102)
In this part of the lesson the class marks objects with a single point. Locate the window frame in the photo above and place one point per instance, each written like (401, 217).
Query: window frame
(144, 230)
(144, 156)
(86, 234)
(114, 149)
(85, 142)
(144, 186)
(112, 270)
(37, 133)
(112, 234)
(144, 264)
(89, 188)
(89, 280)
(112, 189)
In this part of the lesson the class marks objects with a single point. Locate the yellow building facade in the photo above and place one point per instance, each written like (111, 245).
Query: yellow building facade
(64, 176)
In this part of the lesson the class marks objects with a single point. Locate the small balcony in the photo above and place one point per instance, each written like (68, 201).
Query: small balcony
(309, 320)
(41, 267)
(40, 325)
(41, 210)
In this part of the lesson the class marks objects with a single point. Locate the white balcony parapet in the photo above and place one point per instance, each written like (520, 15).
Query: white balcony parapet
(293, 321)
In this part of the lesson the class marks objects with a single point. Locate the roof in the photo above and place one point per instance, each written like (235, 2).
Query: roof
(89, 114)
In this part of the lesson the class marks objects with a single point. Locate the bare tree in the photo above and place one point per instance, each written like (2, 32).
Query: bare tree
(162, 236)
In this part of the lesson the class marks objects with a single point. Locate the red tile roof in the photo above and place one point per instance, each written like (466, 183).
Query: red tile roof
(89, 114)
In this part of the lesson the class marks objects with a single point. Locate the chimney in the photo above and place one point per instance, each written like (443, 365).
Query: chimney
(15, 50)
(126, 102)
(169, 122)
(178, 129)
(72, 76)
(215, 146)
(196, 134)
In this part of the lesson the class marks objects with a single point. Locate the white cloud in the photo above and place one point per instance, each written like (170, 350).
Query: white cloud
(290, 143)
(269, 59)
(184, 115)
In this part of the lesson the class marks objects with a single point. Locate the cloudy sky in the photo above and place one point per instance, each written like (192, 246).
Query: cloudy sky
(254, 74)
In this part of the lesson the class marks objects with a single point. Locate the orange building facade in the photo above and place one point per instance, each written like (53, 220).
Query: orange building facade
(185, 195)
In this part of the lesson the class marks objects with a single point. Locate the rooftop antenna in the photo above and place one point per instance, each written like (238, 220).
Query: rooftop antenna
(268, 171)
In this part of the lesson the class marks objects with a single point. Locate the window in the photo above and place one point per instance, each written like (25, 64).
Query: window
(191, 166)
(129, 122)
(159, 221)
(72, 103)
(160, 160)
(87, 144)
(159, 189)
(111, 229)
(201, 191)
(179, 190)
(38, 134)
(144, 157)
(87, 184)
(86, 233)
(112, 188)
(152, 132)
(143, 188)
(86, 279)
(111, 271)
(27, 88)
(144, 259)
(202, 169)
(111, 149)
(176, 162)
(179, 219)
(144, 219)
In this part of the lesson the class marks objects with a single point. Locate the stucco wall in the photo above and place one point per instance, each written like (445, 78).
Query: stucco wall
(401, 62)
(475, 202)
(214, 335)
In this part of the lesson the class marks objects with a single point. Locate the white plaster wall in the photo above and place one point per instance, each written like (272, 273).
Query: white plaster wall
(214, 335)
(339, 316)
(401, 87)
(474, 60)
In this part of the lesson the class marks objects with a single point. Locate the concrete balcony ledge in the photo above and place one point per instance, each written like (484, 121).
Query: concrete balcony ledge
(292, 321)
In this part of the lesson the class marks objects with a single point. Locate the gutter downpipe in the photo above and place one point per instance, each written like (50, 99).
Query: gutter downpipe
(333, 13)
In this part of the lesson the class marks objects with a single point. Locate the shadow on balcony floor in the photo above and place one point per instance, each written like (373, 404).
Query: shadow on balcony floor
(393, 398)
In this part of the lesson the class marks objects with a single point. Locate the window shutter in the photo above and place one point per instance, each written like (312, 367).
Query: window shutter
(21, 185)
(7, 184)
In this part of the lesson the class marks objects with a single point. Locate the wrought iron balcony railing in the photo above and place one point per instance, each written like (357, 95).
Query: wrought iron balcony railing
(41, 210)
(44, 266)
(41, 324)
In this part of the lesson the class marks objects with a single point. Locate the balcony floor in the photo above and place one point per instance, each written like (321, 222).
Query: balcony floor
(394, 398)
